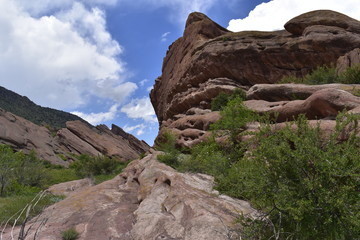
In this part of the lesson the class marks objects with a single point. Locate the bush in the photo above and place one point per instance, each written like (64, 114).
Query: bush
(222, 99)
(310, 183)
(70, 234)
(234, 116)
(167, 144)
(325, 75)
(351, 75)
(88, 166)
(321, 75)
(18, 169)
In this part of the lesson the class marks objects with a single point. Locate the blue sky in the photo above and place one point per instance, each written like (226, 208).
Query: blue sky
(99, 58)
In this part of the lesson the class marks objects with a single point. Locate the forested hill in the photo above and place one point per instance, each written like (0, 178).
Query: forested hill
(24, 107)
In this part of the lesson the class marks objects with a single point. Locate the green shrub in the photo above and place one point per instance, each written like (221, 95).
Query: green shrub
(351, 75)
(19, 169)
(88, 166)
(325, 75)
(70, 234)
(167, 144)
(222, 99)
(311, 184)
(321, 75)
(234, 116)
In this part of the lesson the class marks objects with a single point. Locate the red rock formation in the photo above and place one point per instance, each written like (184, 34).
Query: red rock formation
(207, 51)
(77, 138)
(350, 59)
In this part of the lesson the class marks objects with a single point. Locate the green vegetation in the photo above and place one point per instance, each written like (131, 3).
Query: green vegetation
(11, 208)
(23, 107)
(101, 166)
(306, 185)
(23, 178)
(222, 99)
(325, 75)
(70, 234)
(167, 144)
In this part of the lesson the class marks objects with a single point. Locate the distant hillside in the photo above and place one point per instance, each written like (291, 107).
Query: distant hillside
(24, 107)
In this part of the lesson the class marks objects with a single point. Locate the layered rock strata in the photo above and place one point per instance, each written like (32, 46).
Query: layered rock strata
(209, 59)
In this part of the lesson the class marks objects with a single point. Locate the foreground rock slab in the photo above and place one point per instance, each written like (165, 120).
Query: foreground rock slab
(148, 201)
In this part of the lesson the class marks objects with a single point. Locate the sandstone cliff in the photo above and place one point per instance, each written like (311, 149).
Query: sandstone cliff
(208, 59)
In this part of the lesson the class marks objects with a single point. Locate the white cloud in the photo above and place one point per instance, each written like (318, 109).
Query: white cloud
(274, 14)
(164, 36)
(142, 82)
(140, 109)
(96, 118)
(140, 129)
(40, 7)
(60, 60)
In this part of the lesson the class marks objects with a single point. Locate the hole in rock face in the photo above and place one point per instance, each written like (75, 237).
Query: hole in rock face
(155, 180)
(168, 182)
(136, 180)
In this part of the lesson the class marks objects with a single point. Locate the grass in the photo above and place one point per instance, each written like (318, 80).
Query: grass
(70, 234)
(61, 175)
(11, 206)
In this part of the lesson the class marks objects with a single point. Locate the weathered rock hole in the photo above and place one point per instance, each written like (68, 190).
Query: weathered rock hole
(168, 182)
(136, 180)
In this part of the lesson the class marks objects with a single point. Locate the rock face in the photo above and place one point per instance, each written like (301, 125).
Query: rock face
(207, 52)
(77, 138)
(148, 201)
(350, 59)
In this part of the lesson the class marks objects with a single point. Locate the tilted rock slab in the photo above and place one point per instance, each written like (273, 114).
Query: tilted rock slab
(77, 138)
(148, 201)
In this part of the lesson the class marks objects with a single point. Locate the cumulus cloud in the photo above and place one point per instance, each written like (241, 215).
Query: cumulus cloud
(140, 129)
(59, 60)
(140, 108)
(274, 14)
(96, 118)
(39, 7)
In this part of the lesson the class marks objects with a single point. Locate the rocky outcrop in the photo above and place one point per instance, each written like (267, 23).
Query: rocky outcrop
(289, 92)
(208, 60)
(24, 135)
(324, 103)
(350, 59)
(147, 201)
(77, 138)
(207, 51)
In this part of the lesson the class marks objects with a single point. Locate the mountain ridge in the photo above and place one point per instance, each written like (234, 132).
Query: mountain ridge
(22, 106)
